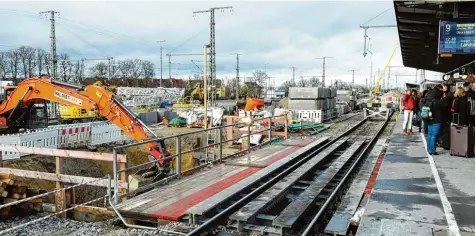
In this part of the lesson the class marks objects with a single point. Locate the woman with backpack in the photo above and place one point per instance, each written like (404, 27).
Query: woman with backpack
(437, 107)
(421, 102)
(408, 106)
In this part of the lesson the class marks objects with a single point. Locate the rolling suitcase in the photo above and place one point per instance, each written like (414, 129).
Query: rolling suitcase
(462, 144)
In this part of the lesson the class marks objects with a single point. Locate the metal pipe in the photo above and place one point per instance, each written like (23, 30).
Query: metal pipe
(179, 156)
(220, 150)
(249, 137)
(130, 225)
(270, 131)
(205, 86)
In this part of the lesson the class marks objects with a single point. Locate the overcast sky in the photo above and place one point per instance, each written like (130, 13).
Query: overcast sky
(279, 34)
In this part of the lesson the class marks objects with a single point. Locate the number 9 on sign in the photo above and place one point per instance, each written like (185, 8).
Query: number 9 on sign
(447, 27)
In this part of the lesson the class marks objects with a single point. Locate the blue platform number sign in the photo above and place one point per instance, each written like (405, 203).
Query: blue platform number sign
(455, 37)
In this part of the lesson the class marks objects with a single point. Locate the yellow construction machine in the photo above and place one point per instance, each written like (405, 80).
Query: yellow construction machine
(188, 102)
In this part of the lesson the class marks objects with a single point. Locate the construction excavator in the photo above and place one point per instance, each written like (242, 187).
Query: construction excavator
(19, 104)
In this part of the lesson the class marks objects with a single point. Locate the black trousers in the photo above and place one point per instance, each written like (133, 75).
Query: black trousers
(445, 137)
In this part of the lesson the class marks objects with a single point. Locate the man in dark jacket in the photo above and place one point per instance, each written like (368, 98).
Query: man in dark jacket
(434, 99)
(448, 97)
(471, 101)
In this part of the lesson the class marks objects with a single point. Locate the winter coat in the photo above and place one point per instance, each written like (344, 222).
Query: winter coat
(448, 100)
(408, 102)
(460, 107)
(438, 106)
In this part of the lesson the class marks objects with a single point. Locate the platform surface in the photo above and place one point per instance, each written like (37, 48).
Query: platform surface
(171, 201)
(406, 200)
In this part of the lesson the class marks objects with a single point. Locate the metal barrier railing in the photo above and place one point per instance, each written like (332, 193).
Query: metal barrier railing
(217, 148)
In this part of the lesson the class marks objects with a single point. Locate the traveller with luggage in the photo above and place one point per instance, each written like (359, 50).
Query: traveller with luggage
(432, 112)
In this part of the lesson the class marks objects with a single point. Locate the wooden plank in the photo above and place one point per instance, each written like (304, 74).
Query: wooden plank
(6, 176)
(62, 177)
(98, 156)
(95, 210)
(60, 197)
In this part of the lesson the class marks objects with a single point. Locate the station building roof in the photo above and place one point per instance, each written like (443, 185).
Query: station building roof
(418, 30)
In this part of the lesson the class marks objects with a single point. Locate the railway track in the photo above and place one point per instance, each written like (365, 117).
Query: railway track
(293, 199)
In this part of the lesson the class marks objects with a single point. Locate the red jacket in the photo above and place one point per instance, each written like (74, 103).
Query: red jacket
(408, 102)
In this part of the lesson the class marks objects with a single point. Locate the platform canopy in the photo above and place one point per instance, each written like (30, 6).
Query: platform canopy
(418, 29)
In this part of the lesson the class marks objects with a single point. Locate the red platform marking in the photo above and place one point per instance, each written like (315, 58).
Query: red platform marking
(176, 210)
(373, 176)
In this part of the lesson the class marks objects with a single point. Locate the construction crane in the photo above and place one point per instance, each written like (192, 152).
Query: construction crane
(377, 85)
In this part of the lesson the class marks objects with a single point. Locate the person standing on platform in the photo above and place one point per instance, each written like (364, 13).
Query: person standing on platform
(460, 107)
(437, 105)
(408, 106)
(422, 100)
(444, 137)
(471, 102)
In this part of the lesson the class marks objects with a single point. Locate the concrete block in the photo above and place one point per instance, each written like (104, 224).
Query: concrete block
(303, 104)
(305, 93)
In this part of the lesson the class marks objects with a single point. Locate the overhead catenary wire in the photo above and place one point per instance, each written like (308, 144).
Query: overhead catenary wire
(375, 17)
(83, 40)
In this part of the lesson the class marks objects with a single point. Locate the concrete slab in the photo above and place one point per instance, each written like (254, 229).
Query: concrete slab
(392, 227)
(457, 176)
(251, 209)
(301, 142)
(340, 221)
(213, 201)
(291, 214)
(406, 200)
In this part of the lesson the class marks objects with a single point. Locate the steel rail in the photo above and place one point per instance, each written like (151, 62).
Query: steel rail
(212, 222)
(364, 152)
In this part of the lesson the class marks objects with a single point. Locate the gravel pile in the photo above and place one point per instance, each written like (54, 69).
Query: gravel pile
(60, 227)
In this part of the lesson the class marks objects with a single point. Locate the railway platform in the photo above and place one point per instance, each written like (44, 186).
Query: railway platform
(419, 194)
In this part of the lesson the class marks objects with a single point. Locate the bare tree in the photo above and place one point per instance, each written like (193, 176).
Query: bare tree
(42, 62)
(135, 71)
(13, 59)
(28, 61)
(99, 70)
(260, 77)
(4, 70)
(65, 66)
(286, 85)
(147, 68)
(314, 82)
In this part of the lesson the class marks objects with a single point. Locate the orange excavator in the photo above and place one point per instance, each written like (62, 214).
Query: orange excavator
(17, 107)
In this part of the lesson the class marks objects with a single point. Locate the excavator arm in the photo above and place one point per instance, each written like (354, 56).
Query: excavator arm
(92, 97)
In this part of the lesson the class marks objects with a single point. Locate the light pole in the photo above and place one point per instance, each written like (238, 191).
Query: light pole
(160, 43)
(266, 79)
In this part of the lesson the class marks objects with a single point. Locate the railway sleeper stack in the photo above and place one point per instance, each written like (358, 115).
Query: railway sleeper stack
(312, 104)
(12, 190)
